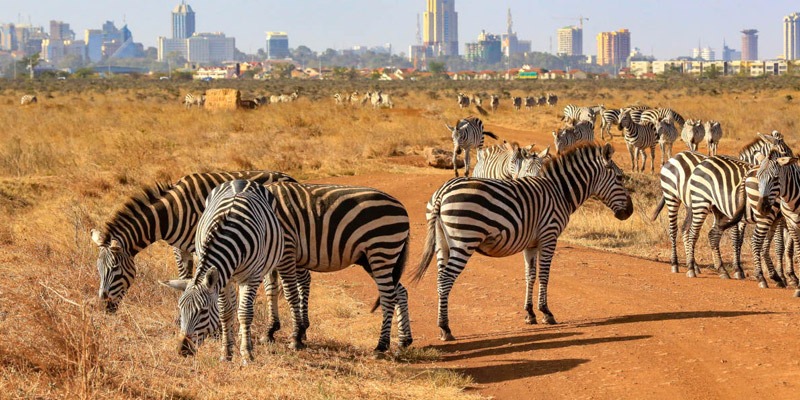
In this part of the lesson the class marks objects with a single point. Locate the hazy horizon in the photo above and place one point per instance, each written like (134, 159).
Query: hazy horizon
(665, 30)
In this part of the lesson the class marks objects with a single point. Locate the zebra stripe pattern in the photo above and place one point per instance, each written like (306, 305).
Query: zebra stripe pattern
(27, 100)
(654, 115)
(238, 240)
(582, 131)
(508, 161)
(498, 218)
(608, 119)
(574, 114)
(463, 101)
(789, 196)
(328, 228)
(638, 138)
(164, 212)
(667, 133)
(194, 100)
(713, 133)
(693, 133)
(467, 133)
(494, 102)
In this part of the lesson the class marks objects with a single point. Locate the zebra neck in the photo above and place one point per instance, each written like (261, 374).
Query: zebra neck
(571, 186)
(138, 230)
(789, 180)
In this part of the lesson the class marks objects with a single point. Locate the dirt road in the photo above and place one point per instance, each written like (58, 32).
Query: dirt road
(628, 328)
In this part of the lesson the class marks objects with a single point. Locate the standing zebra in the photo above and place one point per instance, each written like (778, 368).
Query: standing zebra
(330, 227)
(165, 212)
(517, 102)
(338, 99)
(530, 102)
(608, 119)
(713, 133)
(27, 99)
(194, 100)
(666, 133)
(239, 239)
(657, 114)
(573, 113)
(463, 101)
(476, 100)
(467, 133)
(638, 138)
(541, 101)
(498, 218)
(494, 102)
(692, 134)
(552, 99)
(582, 131)
(508, 161)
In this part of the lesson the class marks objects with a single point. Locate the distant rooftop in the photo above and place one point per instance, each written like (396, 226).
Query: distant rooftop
(183, 8)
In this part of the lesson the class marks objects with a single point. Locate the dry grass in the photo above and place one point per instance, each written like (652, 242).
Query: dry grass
(67, 162)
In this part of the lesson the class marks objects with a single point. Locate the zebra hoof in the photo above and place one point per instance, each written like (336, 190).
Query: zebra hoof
(675, 269)
(778, 282)
(530, 320)
(447, 337)
(548, 319)
(763, 284)
(793, 283)
(297, 345)
(738, 275)
(724, 275)
(690, 273)
(405, 342)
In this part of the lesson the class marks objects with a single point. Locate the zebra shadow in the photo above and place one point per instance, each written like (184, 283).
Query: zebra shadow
(519, 369)
(532, 342)
(667, 316)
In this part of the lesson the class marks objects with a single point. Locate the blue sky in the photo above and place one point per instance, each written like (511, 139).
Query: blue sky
(663, 28)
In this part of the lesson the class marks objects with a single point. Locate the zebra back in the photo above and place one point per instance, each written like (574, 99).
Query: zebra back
(657, 114)
(763, 144)
(665, 130)
(640, 135)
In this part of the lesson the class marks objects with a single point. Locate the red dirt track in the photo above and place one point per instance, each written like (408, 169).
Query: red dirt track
(627, 327)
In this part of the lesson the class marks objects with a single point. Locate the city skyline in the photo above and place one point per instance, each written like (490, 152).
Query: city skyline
(365, 22)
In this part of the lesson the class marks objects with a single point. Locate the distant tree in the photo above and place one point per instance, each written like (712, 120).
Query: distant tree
(712, 72)
(304, 55)
(437, 68)
(251, 73)
(84, 72)
(282, 70)
(182, 75)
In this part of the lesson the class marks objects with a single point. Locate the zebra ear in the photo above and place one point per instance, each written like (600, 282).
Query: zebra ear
(766, 138)
(449, 128)
(608, 151)
(783, 161)
(177, 284)
(97, 237)
(212, 277)
(545, 152)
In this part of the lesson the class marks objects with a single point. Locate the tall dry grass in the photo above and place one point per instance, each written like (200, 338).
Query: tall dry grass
(69, 161)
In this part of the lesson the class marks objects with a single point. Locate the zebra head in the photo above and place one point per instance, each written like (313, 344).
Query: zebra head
(609, 186)
(198, 308)
(778, 144)
(116, 268)
(533, 162)
(768, 176)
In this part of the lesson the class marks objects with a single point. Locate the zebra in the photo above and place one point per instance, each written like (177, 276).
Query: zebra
(638, 138)
(657, 114)
(379, 99)
(508, 161)
(530, 102)
(494, 102)
(330, 227)
(573, 113)
(467, 133)
(552, 99)
(517, 102)
(248, 104)
(194, 100)
(339, 99)
(716, 185)
(692, 133)
(165, 212)
(476, 100)
(608, 119)
(262, 100)
(498, 218)
(28, 99)
(239, 239)
(713, 135)
(667, 133)
(583, 131)
(463, 101)
(354, 98)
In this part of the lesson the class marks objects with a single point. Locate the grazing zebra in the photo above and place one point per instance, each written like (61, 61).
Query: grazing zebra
(463, 101)
(239, 239)
(27, 100)
(283, 98)
(693, 133)
(378, 99)
(552, 99)
(165, 212)
(508, 161)
(583, 131)
(713, 134)
(530, 102)
(657, 114)
(638, 138)
(608, 119)
(494, 102)
(517, 101)
(715, 186)
(194, 100)
(498, 218)
(330, 227)
(467, 133)
(573, 113)
(667, 133)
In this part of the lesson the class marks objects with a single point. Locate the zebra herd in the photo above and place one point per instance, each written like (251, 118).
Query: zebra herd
(199, 100)
(377, 99)
(549, 99)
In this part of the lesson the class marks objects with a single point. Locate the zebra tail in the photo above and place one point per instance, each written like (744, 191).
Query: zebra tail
(491, 135)
(657, 210)
(397, 272)
(428, 252)
(740, 211)
(687, 222)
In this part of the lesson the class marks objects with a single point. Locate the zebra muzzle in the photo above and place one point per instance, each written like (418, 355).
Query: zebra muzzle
(624, 214)
(188, 347)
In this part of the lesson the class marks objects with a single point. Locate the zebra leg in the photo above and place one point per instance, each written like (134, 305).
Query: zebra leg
(672, 213)
(787, 243)
(288, 273)
(455, 158)
(466, 162)
(304, 287)
(773, 274)
(757, 245)
(445, 279)
(227, 304)
(652, 159)
(547, 248)
(530, 279)
(403, 320)
(387, 292)
(271, 289)
(247, 297)
(690, 240)
(737, 237)
(714, 237)
(631, 151)
(663, 152)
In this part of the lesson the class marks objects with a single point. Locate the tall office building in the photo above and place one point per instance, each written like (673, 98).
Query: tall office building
(613, 48)
(511, 43)
(487, 49)
(277, 45)
(8, 37)
(182, 21)
(570, 41)
(94, 44)
(60, 31)
(791, 36)
(750, 45)
(441, 27)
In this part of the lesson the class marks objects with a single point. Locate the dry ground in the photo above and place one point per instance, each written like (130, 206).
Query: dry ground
(628, 328)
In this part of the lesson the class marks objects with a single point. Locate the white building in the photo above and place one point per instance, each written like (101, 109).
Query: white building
(201, 48)
(570, 41)
(791, 36)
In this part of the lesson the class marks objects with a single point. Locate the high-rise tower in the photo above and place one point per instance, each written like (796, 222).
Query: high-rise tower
(441, 27)
(570, 41)
(750, 45)
(791, 36)
(182, 21)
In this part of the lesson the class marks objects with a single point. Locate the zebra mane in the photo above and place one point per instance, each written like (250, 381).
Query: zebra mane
(130, 209)
(576, 151)
(756, 142)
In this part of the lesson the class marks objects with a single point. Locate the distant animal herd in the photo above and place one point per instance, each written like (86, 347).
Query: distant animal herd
(236, 231)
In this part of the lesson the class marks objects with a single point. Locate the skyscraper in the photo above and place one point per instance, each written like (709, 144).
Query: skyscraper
(613, 48)
(441, 27)
(182, 21)
(750, 45)
(277, 45)
(570, 41)
(791, 36)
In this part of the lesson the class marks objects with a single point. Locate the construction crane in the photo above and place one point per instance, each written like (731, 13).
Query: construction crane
(580, 19)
